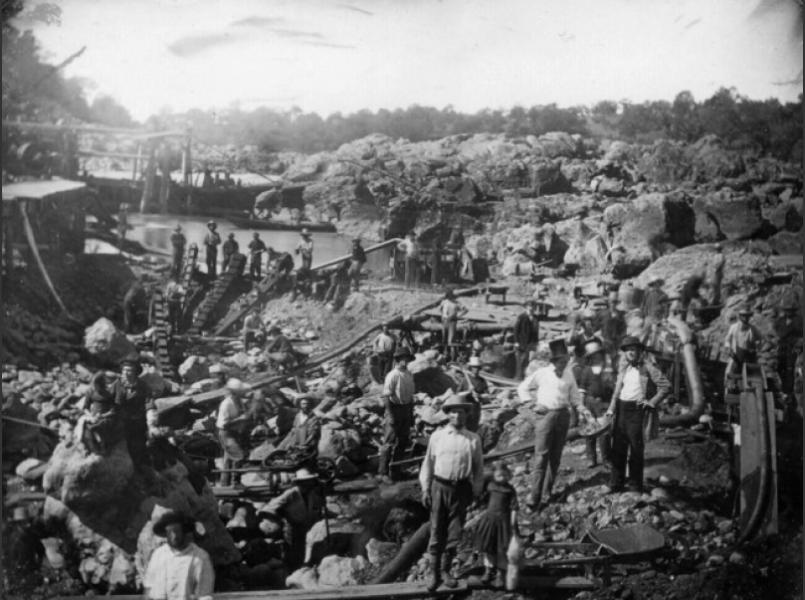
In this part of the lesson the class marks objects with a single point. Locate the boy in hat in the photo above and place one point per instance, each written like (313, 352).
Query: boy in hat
(742, 343)
(179, 568)
(178, 242)
(451, 476)
(596, 384)
(230, 248)
(639, 388)
(232, 424)
(301, 507)
(450, 311)
(133, 400)
(552, 392)
(398, 398)
(305, 248)
(526, 336)
(211, 242)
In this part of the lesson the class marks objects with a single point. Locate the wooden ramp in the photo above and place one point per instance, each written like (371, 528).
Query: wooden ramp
(359, 592)
(222, 284)
(263, 289)
(159, 321)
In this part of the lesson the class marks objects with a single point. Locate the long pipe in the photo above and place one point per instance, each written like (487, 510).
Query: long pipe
(410, 551)
(693, 378)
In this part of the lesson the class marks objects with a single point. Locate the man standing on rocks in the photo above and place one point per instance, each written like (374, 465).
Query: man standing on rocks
(383, 347)
(256, 249)
(526, 336)
(230, 248)
(450, 311)
(211, 242)
(305, 248)
(231, 423)
(304, 436)
(742, 343)
(356, 263)
(178, 241)
(552, 391)
(178, 569)
(451, 476)
(252, 329)
(132, 399)
(398, 397)
(411, 250)
(639, 388)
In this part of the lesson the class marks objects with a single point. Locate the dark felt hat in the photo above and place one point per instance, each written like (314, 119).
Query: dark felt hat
(403, 352)
(558, 349)
(133, 359)
(630, 341)
(171, 517)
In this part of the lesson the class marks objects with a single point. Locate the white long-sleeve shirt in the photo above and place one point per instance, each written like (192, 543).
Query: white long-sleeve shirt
(546, 389)
(179, 574)
(453, 454)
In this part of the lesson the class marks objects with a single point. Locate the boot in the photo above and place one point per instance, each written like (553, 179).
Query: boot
(447, 564)
(488, 576)
(435, 576)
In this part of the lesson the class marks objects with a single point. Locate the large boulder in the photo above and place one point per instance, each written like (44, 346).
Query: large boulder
(340, 571)
(558, 143)
(725, 214)
(339, 536)
(786, 242)
(380, 553)
(106, 342)
(305, 578)
(338, 441)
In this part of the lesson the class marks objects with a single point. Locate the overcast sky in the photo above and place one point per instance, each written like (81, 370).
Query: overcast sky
(344, 55)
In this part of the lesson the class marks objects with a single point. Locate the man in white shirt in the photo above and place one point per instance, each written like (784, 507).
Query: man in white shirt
(305, 248)
(450, 477)
(179, 569)
(411, 250)
(398, 396)
(741, 343)
(383, 347)
(450, 311)
(231, 422)
(551, 391)
(252, 329)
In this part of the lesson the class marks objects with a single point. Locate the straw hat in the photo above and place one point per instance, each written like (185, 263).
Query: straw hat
(592, 347)
(305, 232)
(212, 224)
(236, 386)
(474, 362)
(304, 474)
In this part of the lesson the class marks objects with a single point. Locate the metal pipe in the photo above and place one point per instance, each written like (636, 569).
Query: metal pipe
(693, 378)
(410, 552)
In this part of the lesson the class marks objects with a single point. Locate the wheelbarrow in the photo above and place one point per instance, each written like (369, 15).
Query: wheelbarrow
(592, 559)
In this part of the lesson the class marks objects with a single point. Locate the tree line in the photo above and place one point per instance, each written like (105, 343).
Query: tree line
(35, 90)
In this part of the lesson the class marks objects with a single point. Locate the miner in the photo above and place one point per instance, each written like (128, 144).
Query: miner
(305, 248)
(451, 476)
(178, 242)
(133, 400)
(742, 343)
(398, 397)
(526, 336)
(211, 242)
(230, 248)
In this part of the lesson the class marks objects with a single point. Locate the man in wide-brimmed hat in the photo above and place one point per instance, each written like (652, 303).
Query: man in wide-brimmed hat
(551, 392)
(178, 242)
(595, 384)
(232, 424)
(526, 336)
(211, 242)
(398, 398)
(179, 568)
(741, 343)
(303, 438)
(451, 476)
(229, 248)
(300, 506)
(305, 248)
(133, 400)
(639, 388)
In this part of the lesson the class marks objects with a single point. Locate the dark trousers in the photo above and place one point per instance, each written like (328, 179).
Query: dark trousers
(396, 435)
(627, 441)
(178, 259)
(448, 511)
(550, 433)
(226, 261)
(521, 362)
(355, 274)
(174, 314)
(384, 363)
(212, 262)
(256, 268)
(137, 442)
(604, 441)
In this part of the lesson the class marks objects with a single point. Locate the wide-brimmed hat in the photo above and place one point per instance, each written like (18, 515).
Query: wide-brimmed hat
(587, 313)
(558, 349)
(656, 280)
(403, 352)
(745, 309)
(310, 398)
(305, 231)
(592, 347)
(475, 362)
(456, 402)
(630, 341)
(304, 474)
(178, 227)
(171, 517)
(212, 224)
(231, 236)
(237, 386)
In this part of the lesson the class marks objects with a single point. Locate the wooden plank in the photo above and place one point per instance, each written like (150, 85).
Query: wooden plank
(359, 592)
